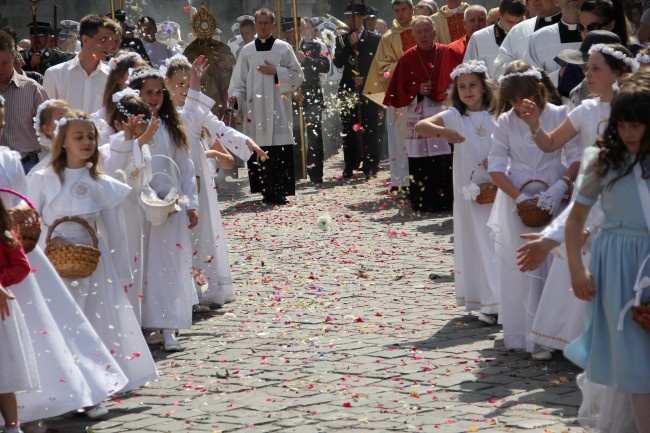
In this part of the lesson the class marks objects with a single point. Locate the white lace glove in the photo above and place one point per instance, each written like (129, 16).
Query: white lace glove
(522, 197)
(550, 199)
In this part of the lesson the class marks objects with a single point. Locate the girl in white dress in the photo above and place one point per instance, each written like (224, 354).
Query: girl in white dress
(44, 124)
(117, 80)
(18, 371)
(560, 317)
(169, 292)
(72, 186)
(210, 264)
(469, 124)
(128, 158)
(515, 160)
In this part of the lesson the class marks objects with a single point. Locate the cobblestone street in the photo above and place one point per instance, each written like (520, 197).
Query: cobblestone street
(351, 329)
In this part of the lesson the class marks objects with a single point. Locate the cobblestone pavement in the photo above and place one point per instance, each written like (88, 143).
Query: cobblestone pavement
(351, 330)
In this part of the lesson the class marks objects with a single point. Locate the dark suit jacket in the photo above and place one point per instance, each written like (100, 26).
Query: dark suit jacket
(49, 58)
(344, 57)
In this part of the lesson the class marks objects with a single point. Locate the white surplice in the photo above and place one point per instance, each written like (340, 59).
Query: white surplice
(266, 107)
(545, 44)
(483, 46)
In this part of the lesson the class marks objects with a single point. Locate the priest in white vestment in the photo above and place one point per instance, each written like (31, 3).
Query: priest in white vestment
(484, 44)
(516, 42)
(266, 73)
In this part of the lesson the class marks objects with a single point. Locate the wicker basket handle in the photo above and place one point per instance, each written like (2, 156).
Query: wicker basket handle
(533, 181)
(471, 175)
(19, 195)
(74, 219)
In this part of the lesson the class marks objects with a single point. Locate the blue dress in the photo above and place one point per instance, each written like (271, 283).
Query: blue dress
(611, 357)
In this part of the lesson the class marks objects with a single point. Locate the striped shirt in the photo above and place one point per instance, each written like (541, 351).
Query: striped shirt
(22, 97)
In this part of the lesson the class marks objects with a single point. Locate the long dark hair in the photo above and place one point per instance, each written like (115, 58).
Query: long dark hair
(119, 67)
(609, 10)
(167, 113)
(631, 104)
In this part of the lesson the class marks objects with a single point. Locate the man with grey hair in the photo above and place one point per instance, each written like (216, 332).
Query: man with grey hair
(475, 19)
(416, 84)
(391, 47)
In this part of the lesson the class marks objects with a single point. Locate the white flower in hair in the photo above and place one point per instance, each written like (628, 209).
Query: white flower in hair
(168, 62)
(469, 68)
(145, 73)
(643, 58)
(126, 93)
(528, 73)
(65, 120)
(116, 60)
(612, 52)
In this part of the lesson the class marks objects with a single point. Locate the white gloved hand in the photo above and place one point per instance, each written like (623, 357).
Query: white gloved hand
(522, 197)
(551, 199)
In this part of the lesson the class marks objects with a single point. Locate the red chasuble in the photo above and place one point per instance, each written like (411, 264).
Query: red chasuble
(415, 67)
(453, 57)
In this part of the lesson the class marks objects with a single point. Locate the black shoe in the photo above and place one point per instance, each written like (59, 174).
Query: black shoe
(281, 200)
(269, 199)
(319, 180)
(399, 190)
(347, 174)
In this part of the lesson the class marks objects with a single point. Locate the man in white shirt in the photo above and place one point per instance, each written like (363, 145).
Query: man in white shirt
(81, 81)
(157, 51)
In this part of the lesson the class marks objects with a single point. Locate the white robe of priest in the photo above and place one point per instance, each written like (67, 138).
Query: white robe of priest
(545, 44)
(266, 107)
(483, 46)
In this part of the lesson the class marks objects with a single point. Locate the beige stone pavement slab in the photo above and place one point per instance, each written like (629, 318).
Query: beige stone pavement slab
(349, 330)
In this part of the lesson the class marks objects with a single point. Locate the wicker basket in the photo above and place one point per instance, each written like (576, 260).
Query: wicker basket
(488, 189)
(530, 214)
(641, 315)
(73, 260)
(26, 222)
(157, 211)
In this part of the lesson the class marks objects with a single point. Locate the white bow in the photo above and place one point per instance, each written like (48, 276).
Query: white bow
(126, 93)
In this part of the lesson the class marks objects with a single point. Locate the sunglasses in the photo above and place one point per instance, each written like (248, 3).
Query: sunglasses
(593, 26)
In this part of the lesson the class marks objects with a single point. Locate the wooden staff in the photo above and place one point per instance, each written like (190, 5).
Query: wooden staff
(303, 152)
(122, 5)
(56, 23)
(358, 72)
(34, 4)
(278, 20)
(112, 9)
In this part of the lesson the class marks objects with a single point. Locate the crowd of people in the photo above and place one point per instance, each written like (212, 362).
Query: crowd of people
(529, 122)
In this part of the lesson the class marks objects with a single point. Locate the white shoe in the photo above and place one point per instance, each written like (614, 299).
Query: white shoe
(97, 412)
(15, 429)
(170, 343)
(490, 319)
(542, 355)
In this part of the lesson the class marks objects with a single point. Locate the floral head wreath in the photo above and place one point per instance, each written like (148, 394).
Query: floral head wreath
(65, 120)
(609, 51)
(42, 139)
(469, 68)
(122, 57)
(168, 62)
(534, 73)
(643, 58)
(145, 73)
(122, 94)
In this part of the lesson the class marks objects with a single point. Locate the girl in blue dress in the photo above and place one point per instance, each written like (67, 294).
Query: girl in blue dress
(614, 350)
